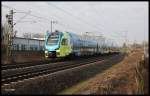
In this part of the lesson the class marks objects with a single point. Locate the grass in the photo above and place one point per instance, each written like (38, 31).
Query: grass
(104, 89)
(142, 76)
(73, 89)
(123, 79)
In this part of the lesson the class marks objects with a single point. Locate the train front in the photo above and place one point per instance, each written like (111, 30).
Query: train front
(52, 44)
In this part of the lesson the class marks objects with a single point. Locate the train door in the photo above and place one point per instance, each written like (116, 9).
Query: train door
(65, 47)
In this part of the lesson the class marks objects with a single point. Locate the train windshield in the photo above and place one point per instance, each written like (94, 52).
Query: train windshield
(53, 39)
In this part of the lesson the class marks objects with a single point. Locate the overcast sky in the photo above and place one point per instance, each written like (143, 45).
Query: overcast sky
(111, 19)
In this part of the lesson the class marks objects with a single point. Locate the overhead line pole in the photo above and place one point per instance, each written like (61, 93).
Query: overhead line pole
(52, 22)
(51, 26)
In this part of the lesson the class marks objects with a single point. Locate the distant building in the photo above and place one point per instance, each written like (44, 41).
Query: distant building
(27, 44)
(20, 43)
(39, 38)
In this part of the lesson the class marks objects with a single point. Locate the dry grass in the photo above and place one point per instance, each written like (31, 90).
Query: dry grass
(119, 79)
(125, 83)
(142, 76)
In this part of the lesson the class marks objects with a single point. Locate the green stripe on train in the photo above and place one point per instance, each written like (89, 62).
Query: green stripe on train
(65, 47)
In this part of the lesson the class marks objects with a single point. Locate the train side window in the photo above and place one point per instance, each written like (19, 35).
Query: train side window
(17, 47)
(64, 42)
(14, 47)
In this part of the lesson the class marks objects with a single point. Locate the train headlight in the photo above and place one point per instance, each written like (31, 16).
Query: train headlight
(57, 50)
(46, 51)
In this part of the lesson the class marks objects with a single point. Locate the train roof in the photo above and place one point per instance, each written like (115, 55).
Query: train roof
(89, 39)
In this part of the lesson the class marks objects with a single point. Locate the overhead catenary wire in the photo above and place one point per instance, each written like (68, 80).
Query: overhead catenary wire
(96, 13)
(61, 24)
(6, 6)
(9, 7)
(43, 18)
(47, 20)
(22, 17)
(70, 14)
(21, 11)
(116, 34)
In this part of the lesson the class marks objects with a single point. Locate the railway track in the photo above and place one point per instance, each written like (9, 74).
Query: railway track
(27, 64)
(14, 75)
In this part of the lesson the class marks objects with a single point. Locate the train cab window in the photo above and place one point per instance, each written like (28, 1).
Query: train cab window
(53, 39)
(64, 42)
